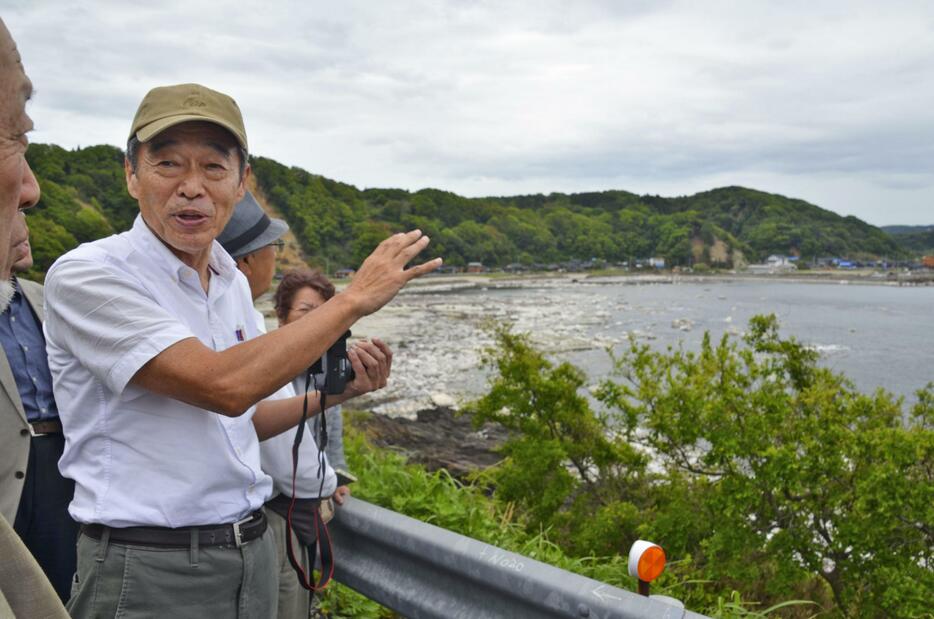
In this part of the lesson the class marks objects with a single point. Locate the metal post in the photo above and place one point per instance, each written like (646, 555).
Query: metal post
(644, 587)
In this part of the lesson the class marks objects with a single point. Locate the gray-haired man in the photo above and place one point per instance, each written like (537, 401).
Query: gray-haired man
(24, 589)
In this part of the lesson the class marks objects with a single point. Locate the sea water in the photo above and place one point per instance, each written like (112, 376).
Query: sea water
(877, 335)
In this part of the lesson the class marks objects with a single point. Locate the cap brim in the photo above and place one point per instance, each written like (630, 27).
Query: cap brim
(273, 233)
(144, 134)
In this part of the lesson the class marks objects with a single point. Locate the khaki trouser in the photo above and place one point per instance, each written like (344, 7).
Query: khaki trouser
(294, 602)
(118, 580)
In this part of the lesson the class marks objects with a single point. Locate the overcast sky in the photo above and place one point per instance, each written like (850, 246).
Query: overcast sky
(831, 102)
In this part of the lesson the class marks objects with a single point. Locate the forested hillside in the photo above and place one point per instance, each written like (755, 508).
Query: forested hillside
(718, 227)
(914, 240)
(897, 230)
(84, 197)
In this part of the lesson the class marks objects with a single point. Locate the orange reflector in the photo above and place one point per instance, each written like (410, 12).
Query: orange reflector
(651, 563)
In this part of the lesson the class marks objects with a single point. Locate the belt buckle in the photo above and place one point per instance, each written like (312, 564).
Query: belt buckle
(44, 427)
(238, 536)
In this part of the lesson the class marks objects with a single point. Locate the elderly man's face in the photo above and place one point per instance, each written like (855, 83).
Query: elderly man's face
(187, 182)
(18, 187)
(259, 268)
(20, 249)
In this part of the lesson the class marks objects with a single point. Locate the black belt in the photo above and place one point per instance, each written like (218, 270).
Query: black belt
(41, 428)
(223, 535)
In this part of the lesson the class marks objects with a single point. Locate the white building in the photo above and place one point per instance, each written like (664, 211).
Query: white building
(774, 264)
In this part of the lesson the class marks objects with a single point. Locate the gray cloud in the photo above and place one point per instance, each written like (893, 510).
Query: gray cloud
(828, 101)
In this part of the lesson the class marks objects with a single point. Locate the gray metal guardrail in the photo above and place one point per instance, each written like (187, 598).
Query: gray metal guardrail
(420, 570)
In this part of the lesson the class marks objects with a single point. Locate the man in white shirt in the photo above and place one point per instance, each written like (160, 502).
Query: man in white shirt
(162, 376)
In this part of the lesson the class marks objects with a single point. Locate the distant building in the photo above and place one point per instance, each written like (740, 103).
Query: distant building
(927, 262)
(657, 263)
(476, 267)
(449, 269)
(344, 273)
(774, 264)
(780, 262)
(583, 265)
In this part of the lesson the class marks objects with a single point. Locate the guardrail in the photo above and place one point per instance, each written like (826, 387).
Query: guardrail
(421, 571)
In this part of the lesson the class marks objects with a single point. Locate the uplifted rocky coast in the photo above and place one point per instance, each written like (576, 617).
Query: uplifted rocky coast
(439, 327)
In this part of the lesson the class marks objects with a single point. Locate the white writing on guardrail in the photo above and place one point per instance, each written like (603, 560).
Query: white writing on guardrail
(604, 596)
(502, 559)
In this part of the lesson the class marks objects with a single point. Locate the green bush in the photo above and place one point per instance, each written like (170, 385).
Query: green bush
(436, 497)
(766, 473)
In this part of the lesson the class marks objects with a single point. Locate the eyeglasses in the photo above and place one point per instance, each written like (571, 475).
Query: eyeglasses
(279, 245)
(303, 308)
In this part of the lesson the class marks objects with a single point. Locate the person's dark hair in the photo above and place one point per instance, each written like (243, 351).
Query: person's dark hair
(293, 281)
(132, 155)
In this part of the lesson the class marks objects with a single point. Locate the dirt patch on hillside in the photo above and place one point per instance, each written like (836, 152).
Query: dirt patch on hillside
(292, 256)
(719, 252)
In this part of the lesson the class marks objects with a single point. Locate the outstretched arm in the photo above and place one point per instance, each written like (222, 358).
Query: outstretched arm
(231, 381)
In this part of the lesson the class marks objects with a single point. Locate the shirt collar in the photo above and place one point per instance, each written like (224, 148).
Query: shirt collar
(17, 297)
(141, 236)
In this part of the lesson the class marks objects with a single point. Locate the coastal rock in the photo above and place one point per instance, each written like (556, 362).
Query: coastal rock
(684, 324)
(443, 400)
(437, 438)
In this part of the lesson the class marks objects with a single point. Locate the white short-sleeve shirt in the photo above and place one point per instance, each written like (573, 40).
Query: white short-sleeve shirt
(276, 454)
(139, 458)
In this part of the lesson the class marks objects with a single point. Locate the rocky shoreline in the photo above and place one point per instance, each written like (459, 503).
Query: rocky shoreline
(439, 328)
(437, 438)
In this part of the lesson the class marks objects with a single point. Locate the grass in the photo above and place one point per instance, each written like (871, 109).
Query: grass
(385, 479)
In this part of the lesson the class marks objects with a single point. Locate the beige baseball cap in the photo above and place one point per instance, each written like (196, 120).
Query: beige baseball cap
(167, 106)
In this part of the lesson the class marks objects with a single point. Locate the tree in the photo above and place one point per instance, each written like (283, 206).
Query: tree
(773, 475)
(808, 471)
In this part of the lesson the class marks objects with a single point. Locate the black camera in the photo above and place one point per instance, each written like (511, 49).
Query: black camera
(335, 366)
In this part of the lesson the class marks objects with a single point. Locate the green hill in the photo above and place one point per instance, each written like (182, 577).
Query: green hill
(913, 240)
(716, 227)
(84, 197)
(899, 230)
(917, 243)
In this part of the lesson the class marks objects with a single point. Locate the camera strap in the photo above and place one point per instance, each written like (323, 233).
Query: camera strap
(322, 545)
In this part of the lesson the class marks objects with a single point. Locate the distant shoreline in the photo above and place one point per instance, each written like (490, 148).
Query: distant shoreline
(859, 277)
(465, 281)
(436, 323)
